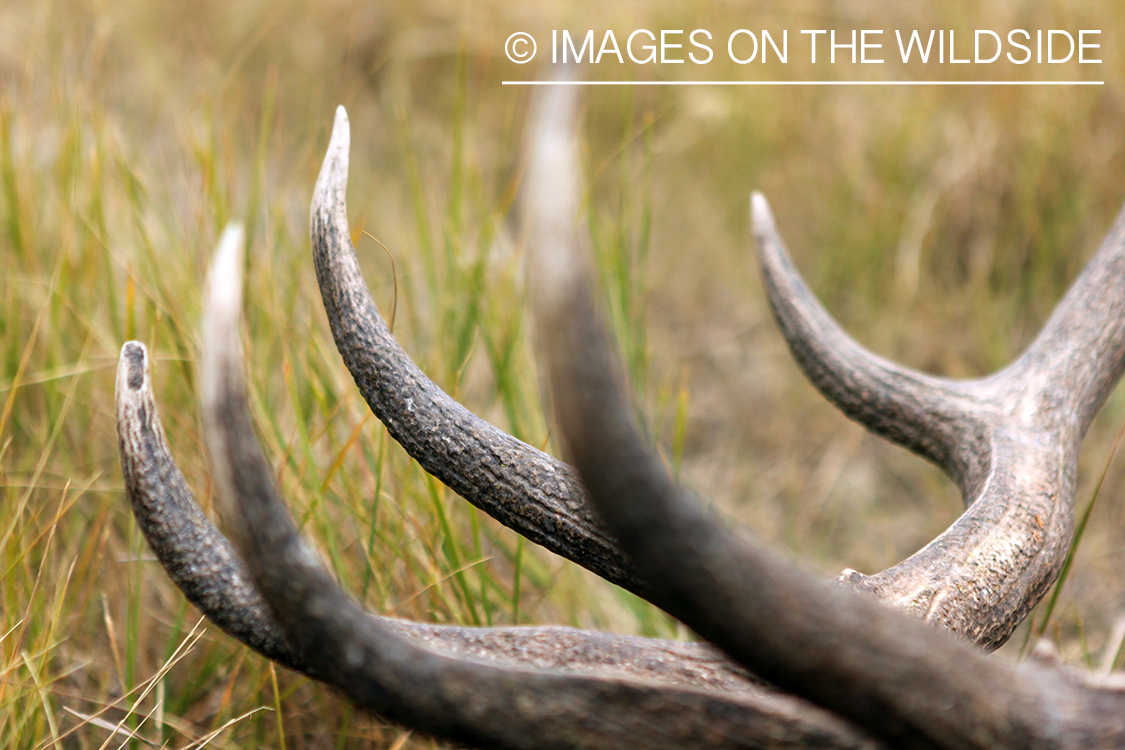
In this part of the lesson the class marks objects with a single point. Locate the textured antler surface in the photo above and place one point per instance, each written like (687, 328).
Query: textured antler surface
(1010, 441)
(681, 680)
(518, 485)
(468, 701)
(1007, 440)
(207, 568)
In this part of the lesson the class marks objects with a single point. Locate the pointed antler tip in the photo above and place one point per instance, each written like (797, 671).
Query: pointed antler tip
(221, 384)
(224, 291)
(332, 182)
(760, 215)
(340, 127)
(225, 287)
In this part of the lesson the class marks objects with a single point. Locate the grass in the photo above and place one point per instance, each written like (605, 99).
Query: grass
(940, 226)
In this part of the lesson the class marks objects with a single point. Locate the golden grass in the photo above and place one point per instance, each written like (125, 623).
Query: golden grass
(939, 225)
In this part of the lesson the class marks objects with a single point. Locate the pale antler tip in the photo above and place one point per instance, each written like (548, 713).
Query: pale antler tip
(332, 182)
(760, 215)
(552, 197)
(341, 129)
(225, 281)
(221, 310)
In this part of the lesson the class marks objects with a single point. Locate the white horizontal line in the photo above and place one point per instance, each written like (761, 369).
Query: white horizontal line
(802, 83)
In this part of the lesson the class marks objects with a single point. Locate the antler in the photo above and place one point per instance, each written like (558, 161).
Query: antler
(1010, 441)
(523, 488)
(908, 685)
(513, 687)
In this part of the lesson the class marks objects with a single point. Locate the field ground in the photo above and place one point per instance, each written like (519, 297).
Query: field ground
(940, 225)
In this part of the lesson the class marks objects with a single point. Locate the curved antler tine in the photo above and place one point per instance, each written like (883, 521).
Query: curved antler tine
(198, 559)
(456, 699)
(907, 683)
(523, 488)
(1010, 441)
(930, 416)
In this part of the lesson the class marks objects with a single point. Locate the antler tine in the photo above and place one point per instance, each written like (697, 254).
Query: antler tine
(909, 684)
(207, 568)
(1010, 441)
(931, 416)
(198, 559)
(518, 485)
(454, 698)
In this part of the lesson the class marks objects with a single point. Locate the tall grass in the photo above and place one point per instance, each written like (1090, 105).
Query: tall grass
(939, 226)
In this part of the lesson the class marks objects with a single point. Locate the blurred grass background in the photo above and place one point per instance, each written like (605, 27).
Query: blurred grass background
(940, 225)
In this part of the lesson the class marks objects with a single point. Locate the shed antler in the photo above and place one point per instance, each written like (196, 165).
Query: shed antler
(869, 675)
